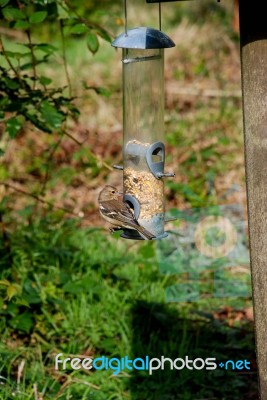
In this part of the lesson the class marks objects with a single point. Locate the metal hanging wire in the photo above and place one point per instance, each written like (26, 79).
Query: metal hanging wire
(160, 15)
(125, 17)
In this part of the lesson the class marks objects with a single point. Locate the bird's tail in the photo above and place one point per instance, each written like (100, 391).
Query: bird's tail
(145, 233)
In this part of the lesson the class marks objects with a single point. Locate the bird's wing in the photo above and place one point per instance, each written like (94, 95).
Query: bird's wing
(116, 211)
(119, 210)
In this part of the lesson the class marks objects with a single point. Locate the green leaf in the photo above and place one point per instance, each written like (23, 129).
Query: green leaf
(32, 298)
(62, 13)
(11, 83)
(13, 14)
(36, 122)
(50, 115)
(38, 16)
(22, 322)
(16, 54)
(22, 302)
(13, 126)
(1, 152)
(30, 294)
(46, 48)
(22, 25)
(3, 3)
(4, 282)
(92, 42)
(104, 34)
(12, 290)
(99, 90)
(44, 80)
(79, 29)
(29, 65)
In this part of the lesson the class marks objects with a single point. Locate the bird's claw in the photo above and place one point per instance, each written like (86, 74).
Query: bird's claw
(112, 230)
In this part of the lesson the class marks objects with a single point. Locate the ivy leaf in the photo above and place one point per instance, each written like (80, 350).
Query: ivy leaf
(38, 16)
(79, 29)
(13, 14)
(92, 42)
(13, 126)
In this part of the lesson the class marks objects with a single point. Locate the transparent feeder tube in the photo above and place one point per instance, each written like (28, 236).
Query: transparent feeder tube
(143, 148)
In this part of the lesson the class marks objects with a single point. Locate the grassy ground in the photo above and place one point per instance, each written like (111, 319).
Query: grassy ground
(69, 287)
(81, 293)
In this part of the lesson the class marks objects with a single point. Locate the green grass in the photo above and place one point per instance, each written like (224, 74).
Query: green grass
(80, 292)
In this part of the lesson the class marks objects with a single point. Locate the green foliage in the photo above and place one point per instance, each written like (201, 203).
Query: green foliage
(24, 92)
(72, 290)
(92, 42)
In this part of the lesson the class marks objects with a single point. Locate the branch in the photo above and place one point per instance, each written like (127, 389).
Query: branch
(50, 156)
(8, 59)
(65, 56)
(37, 198)
(33, 58)
(90, 24)
(91, 153)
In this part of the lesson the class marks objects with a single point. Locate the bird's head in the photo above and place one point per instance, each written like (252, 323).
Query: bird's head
(109, 193)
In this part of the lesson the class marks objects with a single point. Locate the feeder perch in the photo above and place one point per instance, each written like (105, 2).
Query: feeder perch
(143, 126)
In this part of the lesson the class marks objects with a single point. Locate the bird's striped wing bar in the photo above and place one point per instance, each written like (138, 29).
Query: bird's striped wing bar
(123, 213)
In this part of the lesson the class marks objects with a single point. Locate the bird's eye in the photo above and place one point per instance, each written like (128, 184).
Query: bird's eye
(113, 191)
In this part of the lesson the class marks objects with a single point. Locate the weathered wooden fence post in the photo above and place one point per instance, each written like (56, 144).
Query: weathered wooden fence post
(253, 46)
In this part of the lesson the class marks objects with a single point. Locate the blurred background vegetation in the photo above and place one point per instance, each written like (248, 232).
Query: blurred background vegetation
(66, 284)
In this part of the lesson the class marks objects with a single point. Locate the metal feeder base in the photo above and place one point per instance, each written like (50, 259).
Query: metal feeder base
(134, 235)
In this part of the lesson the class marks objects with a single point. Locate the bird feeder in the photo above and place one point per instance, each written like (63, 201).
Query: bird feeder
(143, 127)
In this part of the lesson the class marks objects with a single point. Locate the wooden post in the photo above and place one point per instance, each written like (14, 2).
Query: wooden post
(253, 45)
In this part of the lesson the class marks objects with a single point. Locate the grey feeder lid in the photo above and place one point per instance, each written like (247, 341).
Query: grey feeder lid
(143, 38)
